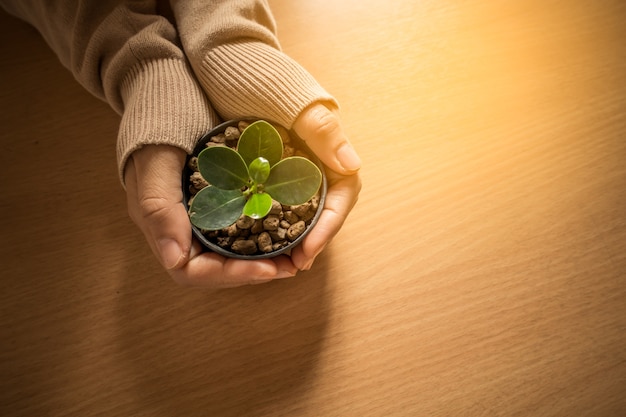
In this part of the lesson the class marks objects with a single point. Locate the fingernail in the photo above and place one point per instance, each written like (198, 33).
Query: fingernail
(320, 250)
(285, 274)
(348, 158)
(308, 265)
(170, 253)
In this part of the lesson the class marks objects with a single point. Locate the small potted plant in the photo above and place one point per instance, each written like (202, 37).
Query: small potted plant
(251, 191)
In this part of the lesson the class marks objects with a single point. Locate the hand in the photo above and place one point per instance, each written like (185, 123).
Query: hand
(154, 197)
(321, 129)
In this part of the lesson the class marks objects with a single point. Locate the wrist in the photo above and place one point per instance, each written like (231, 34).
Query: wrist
(251, 78)
(163, 105)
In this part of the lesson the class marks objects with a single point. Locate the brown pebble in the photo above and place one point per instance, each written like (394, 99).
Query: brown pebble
(288, 151)
(242, 125)
(285, 224)
(225, 241)
(213, 144)
(232, 230)
(245, 222)
(277, 208)
(264, 242)
(315, 202)
(193, 163)
(284, 134)
(198, 181)
(301, 210)
(296, 230)
(231, 133)
(308, 215)
(279, 245)
(278, 234)
(257, 227)
(271, 222)
(291, 217)
(221, 138)
(244, 247)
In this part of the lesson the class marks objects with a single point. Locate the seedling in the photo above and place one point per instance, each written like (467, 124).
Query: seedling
(246, 180)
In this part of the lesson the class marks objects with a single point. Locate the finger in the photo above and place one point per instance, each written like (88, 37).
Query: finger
(341, 198)
(210, 270)
(321, 129)
(154, 198)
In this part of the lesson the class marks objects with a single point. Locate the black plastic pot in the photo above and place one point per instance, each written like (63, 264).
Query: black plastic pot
(298, 143)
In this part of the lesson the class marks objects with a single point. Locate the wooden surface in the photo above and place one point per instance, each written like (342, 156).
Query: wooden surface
(482, 273)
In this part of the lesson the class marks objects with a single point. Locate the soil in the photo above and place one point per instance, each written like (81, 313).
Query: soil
(248, 236)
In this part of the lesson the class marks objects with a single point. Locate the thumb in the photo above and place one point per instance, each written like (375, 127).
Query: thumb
(321, 129)
(154, 197)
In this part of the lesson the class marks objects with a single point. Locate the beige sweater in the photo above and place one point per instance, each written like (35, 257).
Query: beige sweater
(169, 77)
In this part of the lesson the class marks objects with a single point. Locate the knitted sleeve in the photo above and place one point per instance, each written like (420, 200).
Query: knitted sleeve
(233, 49)
(128, 55)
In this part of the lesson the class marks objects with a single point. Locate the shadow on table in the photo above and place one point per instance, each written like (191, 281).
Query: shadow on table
(245, 351)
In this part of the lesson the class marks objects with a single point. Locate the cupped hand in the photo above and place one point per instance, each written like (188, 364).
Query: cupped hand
(320, 127)
(154, 197)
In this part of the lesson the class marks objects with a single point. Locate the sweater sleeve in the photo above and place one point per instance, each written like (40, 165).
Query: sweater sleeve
(235, 54)
(128, 55)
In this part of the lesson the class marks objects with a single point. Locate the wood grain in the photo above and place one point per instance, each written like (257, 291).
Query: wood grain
(482, 273)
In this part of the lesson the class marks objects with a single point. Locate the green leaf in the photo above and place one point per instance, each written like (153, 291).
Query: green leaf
(258, 205)
(259, 170)
(293, 181)
(223, 167)
(260, 139)
(213, 208)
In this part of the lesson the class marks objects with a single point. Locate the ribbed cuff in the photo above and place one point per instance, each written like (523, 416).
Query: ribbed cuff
(163, 105)
(254, 79)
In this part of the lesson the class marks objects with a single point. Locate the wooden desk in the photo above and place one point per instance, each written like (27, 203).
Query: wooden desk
(482, 273)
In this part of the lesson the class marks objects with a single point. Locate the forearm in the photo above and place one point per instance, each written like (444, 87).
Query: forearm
(127, 55)
(233, 49)
(100, 42)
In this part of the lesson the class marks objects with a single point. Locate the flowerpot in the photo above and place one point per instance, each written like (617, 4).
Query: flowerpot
(286, 226)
